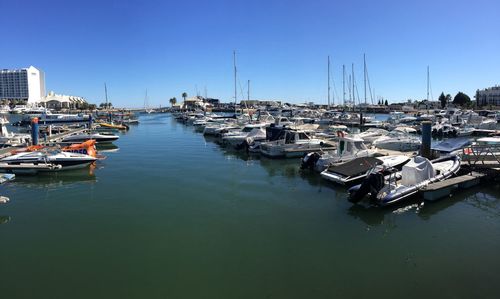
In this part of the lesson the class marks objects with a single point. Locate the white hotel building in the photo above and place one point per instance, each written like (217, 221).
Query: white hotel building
(22, 84)
(488, 96)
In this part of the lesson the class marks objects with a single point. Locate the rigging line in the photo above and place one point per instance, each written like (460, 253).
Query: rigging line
(369, 85)
(430, 87)
(241, 89)
(335, 94)
(357, 92)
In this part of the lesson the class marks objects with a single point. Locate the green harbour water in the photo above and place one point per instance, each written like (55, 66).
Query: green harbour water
(171, 214)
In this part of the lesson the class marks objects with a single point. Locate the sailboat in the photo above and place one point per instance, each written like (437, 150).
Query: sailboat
(146, 108)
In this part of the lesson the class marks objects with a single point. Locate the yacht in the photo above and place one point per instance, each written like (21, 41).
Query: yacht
(44, 160)
(348, 148)
(292, 143)
(98, 137)
(5, 109)
(371, 135)
(35, 111)
(398, 141)
(255, 131)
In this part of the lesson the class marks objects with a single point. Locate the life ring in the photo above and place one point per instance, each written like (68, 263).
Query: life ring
(467, 151)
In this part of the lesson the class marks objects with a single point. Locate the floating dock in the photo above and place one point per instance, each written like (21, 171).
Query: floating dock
(444, 188)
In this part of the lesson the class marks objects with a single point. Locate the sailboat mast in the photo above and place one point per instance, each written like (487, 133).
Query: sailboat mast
(328, 81)
(106, 94)
(349, 87)
(364, 67)
(343, 83)
(248, 91)
(234, 63)
(427, 83)
(353, 94)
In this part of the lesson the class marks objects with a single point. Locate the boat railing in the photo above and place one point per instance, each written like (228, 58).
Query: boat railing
(481, 154)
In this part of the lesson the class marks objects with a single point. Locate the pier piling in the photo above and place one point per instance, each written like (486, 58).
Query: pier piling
(425, 148)
(34, 130)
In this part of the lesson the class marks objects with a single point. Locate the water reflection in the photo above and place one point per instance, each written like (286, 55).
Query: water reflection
(4, 219)
(107, 148)
(374, 216)
(57, 179)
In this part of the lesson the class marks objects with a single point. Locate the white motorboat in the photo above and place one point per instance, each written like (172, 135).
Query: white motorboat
(256, 132)
(292, 143)
(44, 160)
(418, 173)
(12, 139)
(465, 131)
(398, 141)
(98, 137)
(371, 135)
(489, 140)
(348, 148)
(357, 169)
(4, 109)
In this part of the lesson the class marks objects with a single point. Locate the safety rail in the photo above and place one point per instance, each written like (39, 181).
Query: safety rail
(482, 153)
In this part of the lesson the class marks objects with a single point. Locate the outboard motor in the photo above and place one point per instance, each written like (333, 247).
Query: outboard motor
(309, 160)
(371, 185)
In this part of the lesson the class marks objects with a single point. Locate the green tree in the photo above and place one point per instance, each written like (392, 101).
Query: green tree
(461, 99)
(173, 101)
(184, 96)
(442, 100)
(386, 103)
(379, 102)
(448, 99)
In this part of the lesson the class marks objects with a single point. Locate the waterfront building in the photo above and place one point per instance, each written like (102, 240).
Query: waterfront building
(488, 96)
(252, 103)
(27, 84)
(61, 101)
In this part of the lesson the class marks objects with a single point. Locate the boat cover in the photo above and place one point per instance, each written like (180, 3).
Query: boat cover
(356, 166)
(451, 145)
(416, 171)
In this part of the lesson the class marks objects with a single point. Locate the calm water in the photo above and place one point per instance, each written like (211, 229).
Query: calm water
(171, 214)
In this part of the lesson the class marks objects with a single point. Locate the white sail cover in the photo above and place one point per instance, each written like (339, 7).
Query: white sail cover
(416, 171)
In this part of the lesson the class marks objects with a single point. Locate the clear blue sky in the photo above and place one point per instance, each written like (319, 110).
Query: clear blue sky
(169, 47)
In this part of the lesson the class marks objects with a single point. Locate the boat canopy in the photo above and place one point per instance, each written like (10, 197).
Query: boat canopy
(419, 169)
(450, 145)
(356, 166)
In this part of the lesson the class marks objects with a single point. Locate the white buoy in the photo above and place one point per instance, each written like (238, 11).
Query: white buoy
(4, 199)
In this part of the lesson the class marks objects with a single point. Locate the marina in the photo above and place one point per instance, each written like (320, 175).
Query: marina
(249, 149)
(183, 220)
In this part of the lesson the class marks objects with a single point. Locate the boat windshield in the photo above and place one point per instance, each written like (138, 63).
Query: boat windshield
(359, 145)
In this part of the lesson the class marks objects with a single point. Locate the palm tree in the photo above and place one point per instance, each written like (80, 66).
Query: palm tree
(184, 95)
(173, 101)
